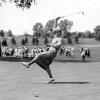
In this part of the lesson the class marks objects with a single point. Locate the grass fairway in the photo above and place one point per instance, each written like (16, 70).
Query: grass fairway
(74, 81)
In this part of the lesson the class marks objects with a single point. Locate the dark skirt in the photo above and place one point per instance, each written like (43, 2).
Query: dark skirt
(45, 60)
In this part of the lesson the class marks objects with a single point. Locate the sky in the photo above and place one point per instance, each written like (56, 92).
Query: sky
(20, 21)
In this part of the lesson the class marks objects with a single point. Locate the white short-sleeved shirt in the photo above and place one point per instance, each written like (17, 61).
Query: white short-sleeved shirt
(56, 42)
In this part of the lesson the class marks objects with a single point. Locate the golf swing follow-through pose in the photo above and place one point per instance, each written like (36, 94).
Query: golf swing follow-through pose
(44, 59)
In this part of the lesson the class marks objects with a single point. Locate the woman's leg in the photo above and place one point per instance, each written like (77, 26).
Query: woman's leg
(50, 75)
(49, 72)
(34, 59)
(37, 56)
(45, 66)
(28, 64)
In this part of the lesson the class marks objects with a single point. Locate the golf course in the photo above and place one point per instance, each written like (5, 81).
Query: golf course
(74, 79)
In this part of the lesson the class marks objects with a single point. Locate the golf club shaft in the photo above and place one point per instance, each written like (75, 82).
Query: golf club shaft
(70, 15)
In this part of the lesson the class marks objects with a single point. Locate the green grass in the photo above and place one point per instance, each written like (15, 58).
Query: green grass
(74, 80)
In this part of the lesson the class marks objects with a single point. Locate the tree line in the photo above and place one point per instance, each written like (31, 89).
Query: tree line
(47, 32)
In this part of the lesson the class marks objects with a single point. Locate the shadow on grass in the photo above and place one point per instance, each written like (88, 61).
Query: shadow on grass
(70, 83)
(73, 61)
(16, 59)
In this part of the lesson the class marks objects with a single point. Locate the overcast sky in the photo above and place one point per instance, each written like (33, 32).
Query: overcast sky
(20, 21)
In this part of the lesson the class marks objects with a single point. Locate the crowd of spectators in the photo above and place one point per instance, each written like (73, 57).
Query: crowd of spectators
(21, 52)
(85, 52)
(69, 51)
(26, 52)
(66, 51)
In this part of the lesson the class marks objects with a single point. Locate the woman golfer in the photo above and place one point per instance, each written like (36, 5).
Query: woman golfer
(44, 59)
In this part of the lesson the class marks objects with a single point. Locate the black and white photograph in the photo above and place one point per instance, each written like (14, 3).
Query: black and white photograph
(49, 50)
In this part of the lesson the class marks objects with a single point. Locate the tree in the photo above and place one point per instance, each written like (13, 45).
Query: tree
(76, 39)
(88, 34)
(4, 42)
(33, 40)
(20, 3)
(26, 40)
(11, 37)
(69, 40)
(46, 41)
(9, 33)
(65, 26)
(50, 25)
(13, 41)
(36, 41)
(36, 28)
(77, 35)
(2, 33)
(23, 42)
(26, 34)
(97, 32)
(43, 32)
(0, 50)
